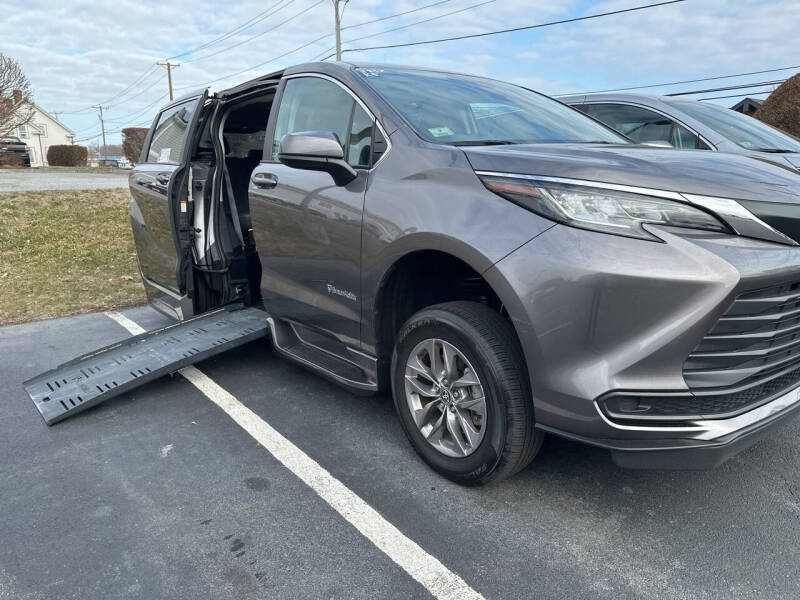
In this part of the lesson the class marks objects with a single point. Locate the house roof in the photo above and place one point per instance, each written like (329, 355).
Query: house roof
(755, 102)
(40, 110)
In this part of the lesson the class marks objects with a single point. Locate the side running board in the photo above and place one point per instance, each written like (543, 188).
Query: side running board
(95, 377)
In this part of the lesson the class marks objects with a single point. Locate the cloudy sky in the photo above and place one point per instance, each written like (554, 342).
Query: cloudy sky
(83, 52)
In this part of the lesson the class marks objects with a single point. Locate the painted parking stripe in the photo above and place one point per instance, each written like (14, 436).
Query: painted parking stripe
(424, 568)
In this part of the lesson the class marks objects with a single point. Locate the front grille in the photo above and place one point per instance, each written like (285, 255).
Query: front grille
(750, 356)
(757, 339)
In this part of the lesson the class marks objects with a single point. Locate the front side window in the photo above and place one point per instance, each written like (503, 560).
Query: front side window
(457, 109)
(313, 104)
(642, 125)
(169, 136)
(747, 132)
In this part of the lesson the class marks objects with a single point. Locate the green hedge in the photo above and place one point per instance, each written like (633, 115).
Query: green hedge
(67, 156)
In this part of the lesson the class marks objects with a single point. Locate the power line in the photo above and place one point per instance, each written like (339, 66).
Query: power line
(250, 39)
(139, 112)
(249, 23)
(269, 60)
(735, 95)
(730, 87)
(460, 10)
(652, 85)
(400, 14)
(513, 29)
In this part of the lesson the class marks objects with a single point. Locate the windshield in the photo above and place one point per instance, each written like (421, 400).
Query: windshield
(747, 132)
(452, 109)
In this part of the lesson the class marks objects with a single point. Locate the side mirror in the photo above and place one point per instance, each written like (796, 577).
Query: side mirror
(658, 144)
(316, 151)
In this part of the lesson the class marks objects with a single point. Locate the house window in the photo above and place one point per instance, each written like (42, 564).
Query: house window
(42, 129)
(23, 132)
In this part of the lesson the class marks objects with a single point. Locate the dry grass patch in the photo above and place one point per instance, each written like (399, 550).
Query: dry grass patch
(65, 252)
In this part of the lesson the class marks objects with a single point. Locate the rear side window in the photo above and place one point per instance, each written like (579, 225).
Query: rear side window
(316, 104)
(642, 125)
(169, 136)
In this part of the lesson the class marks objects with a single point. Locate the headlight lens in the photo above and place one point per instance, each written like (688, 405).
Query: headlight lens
(609, 211)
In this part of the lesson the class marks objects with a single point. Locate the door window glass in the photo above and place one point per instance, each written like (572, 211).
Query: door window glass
(169, 136)
(642, 125)
(312, 104)
(359, 148)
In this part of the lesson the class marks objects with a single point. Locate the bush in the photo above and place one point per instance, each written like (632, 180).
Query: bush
(12, 160)
(132, 142)
(67, 156)
(782, 108)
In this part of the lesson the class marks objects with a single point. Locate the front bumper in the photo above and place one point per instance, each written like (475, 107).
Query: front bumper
(718, 439)
(599, 314)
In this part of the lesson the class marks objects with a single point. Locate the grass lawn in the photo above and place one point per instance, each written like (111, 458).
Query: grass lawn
(65, 252)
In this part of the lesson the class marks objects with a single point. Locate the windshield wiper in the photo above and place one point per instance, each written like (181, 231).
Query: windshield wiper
(483, 143)
(772, 150)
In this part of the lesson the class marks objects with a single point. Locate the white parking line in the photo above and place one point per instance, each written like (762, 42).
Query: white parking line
(426, 569)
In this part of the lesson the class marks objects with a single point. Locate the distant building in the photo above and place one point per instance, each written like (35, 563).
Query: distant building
(747, 106)
(41, 132)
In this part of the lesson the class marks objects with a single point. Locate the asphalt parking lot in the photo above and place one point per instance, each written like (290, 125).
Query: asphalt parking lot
(160, 494)
(34, 180)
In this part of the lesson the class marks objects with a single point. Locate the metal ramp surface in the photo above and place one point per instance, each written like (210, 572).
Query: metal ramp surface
(95, 377)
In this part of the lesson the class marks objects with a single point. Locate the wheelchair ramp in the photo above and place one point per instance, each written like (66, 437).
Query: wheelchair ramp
(95, 377)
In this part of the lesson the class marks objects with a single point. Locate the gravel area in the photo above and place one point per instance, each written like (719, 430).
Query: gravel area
(31, 180)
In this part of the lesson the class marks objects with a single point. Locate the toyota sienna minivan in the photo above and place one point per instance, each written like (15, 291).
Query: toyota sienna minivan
(507, 266)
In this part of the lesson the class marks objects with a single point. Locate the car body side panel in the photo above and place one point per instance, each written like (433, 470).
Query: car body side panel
(427, 197)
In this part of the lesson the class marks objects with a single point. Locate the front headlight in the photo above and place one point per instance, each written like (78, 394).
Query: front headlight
(608, 211)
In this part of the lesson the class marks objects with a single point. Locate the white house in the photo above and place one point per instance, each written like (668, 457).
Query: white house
(41, 132)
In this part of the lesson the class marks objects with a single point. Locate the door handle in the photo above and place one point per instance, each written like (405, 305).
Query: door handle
(162, 178)
(264, 181)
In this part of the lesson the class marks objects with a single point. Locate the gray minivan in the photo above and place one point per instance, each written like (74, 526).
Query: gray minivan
(505, 265)
(689, 124)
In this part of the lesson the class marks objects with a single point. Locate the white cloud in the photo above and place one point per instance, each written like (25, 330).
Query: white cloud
(81, 53)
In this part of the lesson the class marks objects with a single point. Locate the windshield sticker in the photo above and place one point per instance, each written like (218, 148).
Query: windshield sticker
(164, 156)
(440, 131)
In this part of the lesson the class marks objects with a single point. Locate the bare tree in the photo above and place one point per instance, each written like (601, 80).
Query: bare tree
(16, 99)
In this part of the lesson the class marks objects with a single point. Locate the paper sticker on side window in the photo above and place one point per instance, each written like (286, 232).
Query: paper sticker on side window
(164, 155)
(440, 131)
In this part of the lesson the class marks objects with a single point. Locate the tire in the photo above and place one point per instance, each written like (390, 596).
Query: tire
(501, 429)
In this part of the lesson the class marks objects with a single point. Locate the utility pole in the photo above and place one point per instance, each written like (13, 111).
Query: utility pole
(170, 66)
(102, 129)
(337, 23)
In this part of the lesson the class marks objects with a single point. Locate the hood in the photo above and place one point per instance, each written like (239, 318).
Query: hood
(687, 171)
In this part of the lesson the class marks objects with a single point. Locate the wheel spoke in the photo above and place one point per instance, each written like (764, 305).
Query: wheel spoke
(437, 366)
(455, 429)
(468, 427)
(467, 379)
(422, 415)
(428, 390)
(476, 405)
(449, 354)
(433, 433)
(416, 366)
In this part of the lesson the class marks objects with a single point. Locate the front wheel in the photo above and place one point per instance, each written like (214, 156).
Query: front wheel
(461, 391)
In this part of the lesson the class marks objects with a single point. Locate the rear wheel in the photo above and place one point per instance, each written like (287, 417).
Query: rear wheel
(461, 391)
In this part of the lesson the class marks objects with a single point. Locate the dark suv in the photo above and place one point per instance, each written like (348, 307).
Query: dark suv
(504, 264)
